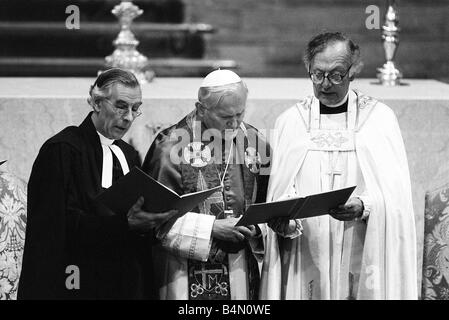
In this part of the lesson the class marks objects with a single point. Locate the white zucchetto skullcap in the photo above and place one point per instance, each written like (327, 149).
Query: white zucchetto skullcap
(220, 78)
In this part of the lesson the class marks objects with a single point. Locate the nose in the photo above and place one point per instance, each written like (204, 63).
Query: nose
(128, 116)
(326, 83)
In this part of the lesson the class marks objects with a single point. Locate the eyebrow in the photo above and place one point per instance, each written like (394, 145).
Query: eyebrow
(227, 115)
(336, 69)
(123, 101)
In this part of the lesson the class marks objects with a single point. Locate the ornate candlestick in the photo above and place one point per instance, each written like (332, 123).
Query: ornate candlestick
(388, 74)
(125, 55)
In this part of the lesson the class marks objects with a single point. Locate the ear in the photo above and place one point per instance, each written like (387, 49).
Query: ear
(352, 73)
(200, 109)
(93, 104)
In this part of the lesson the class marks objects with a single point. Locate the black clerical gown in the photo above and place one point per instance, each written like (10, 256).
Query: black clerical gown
(67, 229)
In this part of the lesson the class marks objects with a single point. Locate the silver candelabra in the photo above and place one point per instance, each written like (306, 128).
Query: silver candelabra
(125, 54)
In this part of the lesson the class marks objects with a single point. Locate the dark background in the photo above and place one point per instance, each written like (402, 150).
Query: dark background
(264, 38)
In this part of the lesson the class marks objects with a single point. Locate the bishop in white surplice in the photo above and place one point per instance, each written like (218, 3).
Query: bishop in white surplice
(373, 254)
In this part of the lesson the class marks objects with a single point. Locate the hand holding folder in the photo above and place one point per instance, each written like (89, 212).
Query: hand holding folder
(295, 208)
(123, 194)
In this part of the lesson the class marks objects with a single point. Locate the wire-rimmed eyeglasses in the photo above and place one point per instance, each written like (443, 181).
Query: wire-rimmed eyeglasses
(122, 108)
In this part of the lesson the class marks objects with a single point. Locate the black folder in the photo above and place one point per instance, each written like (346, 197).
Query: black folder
(295, 208)
(122, 195)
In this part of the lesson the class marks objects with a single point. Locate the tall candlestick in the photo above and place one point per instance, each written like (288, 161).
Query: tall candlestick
(388, 74)
(126, 55)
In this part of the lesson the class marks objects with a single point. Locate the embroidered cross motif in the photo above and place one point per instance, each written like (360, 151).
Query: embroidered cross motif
(305, 103)
(329, 139)
(209, 281)
(364, 101)
(197, 154)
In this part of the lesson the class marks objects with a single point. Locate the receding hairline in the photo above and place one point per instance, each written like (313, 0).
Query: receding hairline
(328, 45)
(320, 42)
(347, 51)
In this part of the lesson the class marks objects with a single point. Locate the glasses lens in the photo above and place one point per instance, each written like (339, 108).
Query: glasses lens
(316, 77)
(335, 78)
(136, 113)
(124, 112)
(123, 109)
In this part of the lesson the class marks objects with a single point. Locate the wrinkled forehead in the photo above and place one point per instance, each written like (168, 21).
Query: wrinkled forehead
(232, 98)
(334, 55)
(118, 91)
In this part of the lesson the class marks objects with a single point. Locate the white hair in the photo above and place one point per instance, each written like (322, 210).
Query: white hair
(209, 97)
(102, 85)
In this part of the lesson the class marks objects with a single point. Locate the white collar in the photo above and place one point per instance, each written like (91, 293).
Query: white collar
(108, 148)
(105, 141)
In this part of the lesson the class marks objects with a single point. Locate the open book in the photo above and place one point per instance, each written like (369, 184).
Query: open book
(295, 208)
(122, 195)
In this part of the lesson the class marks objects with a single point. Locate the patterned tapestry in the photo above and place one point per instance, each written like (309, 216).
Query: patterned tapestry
(435, 284)
(12, 233)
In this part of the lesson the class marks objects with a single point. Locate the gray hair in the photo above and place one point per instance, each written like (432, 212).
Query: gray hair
(321, 41)
(102, 85)
(210, 97)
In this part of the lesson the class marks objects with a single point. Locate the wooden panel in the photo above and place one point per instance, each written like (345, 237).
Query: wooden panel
(267, 37)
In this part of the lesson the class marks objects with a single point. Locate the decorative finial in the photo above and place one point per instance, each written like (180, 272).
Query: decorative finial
(126, 55)
(388, 74)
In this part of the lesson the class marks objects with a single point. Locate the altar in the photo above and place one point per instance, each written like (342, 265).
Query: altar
(34, 109)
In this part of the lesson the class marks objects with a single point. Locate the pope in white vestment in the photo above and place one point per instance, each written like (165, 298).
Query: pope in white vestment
(370, 256)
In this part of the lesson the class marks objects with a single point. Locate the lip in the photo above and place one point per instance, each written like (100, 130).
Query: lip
(120, 128)
(327, 93)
